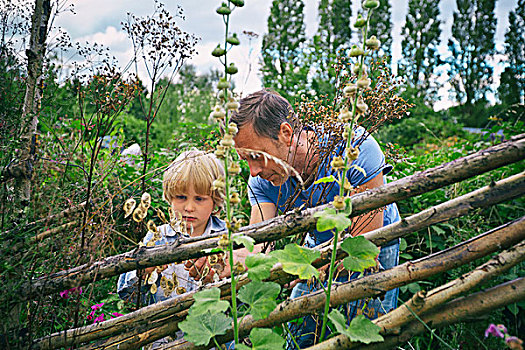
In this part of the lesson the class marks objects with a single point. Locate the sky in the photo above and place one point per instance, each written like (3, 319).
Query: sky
(100, 21)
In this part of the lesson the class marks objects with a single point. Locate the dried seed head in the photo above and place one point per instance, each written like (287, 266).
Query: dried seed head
(128, 207)
(224, 242)
(239, 268)
(361, 106)
(181, 290)
(350, 90)
(151, 226)
(220, 152)
(218, 184)
(372, 43)
(227, 141)
(232, 129)
(234, 198)
(232, 105)
(139, 213)
(363, 82)
(345, 116)
(218, 114)
(146, 200)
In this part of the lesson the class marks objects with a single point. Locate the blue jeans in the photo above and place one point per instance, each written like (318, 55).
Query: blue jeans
(306, 332)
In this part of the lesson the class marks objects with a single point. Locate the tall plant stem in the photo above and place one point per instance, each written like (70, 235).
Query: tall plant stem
(329, 286)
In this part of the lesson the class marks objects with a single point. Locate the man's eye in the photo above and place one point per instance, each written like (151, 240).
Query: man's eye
(255, 156)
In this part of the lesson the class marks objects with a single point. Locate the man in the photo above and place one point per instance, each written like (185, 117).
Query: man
(277, 149)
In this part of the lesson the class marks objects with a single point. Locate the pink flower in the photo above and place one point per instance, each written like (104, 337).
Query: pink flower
(91, 315)
(116, 314)
(97, 306)
(514, 343)
(64, 294)
(99, 319)
(496, 330)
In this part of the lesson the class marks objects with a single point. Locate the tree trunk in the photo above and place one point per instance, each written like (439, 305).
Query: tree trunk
(22, 170)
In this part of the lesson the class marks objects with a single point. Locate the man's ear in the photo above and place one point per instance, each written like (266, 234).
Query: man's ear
(286, 134)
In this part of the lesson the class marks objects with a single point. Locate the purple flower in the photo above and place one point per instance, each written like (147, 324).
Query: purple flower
(99, 319)
(116, 314)
(496, 330)
(64, 294)
(514, 343)
(97, 306)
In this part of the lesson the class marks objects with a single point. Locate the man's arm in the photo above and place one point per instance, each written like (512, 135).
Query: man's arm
(371, 220)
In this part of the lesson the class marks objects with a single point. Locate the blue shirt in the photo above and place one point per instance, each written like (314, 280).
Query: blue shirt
(371, 159)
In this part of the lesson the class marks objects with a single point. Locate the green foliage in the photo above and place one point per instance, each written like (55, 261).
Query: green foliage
(260, 296)
(263, 339)
(381, 26)
(200, 329)
(512, 81)
(330, 219)
(208, 300)
(246, 241)
(297, 260)
(259, 266)
(283, 54)
(421, 34)
(472, 46)
(362, 253)
(361, 329)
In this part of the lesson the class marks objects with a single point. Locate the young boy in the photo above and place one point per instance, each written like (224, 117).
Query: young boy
(187, 186)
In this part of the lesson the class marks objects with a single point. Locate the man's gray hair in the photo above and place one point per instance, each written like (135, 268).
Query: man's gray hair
(266, 110)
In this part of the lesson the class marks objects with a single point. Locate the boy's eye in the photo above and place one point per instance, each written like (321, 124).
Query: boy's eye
(180, 197)
(199, 199)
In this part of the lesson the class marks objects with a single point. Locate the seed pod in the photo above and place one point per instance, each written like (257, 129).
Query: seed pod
(231, 69)
(233, 40)
(360, 22)
(218, 51)
(345, 115)
(232, 128)
(339, 203)
(223, 10)
(220, 152)
(223, 84)
(337, 163)
(361, 106)
(153, 277)
(218, 184)
(238, 3)
(352, 153)
(139, 214)
(372, 43)
(350, 90)
(356, 51)
(224, 242)
(227, 141)
(218, 113)
(239, 268)
(234, 169)
(161, 216)
(234, 198)
(363, 83)
(348, 186)
(151, 226)
(232, 105)
(153, 288)
(181, 290)
(370, 4)
(221, 94)
(213, 259)
(128, 207)
(163, 282)
(146, 200)
(359, 67)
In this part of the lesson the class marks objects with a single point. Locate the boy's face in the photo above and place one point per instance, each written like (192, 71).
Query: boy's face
(195, 210)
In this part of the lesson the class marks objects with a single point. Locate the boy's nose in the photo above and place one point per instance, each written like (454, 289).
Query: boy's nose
(189, 207)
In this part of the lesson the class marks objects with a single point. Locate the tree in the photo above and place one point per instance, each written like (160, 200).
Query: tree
(381, 27)
(283, 56)
(334, 34)
(512, 81)
(472, 47)
(419, 46)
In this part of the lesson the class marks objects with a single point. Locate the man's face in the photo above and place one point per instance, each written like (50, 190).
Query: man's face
(267, 169)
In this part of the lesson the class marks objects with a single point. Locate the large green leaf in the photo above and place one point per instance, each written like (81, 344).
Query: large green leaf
(297, 260)
(361, 329)
(361, 253)
(201, 328)
(208, 300)
(329, 219)
(246, 241)
(260, 296)
(263, 339)
(259, 266)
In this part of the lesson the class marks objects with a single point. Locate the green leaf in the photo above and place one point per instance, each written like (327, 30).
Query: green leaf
(242, 347)
(402, 245)
(330, 219)
(361, 253)
(297, 260)
(201, 328)
(361, 329)
(325, 179)
(348, 206)
(265, 339)
(259, 266)
(208, 300)
(246, 241)
(260, 296)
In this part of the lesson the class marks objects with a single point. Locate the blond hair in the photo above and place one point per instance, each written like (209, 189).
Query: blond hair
(193, 168)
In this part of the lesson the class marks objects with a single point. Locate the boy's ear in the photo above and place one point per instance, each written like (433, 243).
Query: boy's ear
(286, 134)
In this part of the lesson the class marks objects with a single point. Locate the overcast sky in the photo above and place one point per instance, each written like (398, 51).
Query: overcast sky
(99, 21)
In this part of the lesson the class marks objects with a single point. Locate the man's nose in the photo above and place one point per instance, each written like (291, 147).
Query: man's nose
(255, 168)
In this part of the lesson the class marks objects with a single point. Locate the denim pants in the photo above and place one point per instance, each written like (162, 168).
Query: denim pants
(306, 332)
